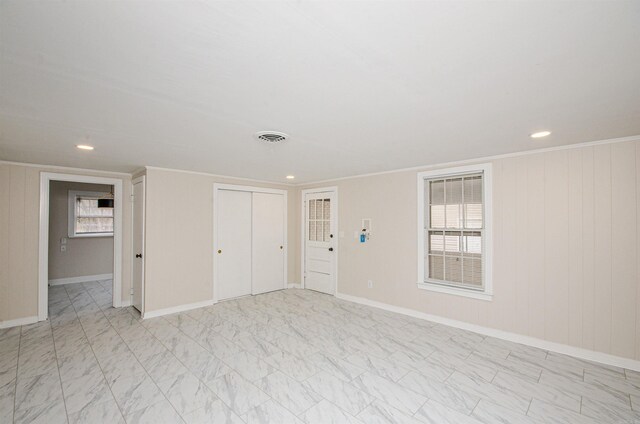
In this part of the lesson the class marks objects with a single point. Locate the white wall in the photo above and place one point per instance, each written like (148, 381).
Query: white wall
(179, 237)
(566, 247)
(84, 255)
(19, 226)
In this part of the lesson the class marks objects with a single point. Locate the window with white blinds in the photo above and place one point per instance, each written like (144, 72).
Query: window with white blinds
(454, 228)
(86, 219)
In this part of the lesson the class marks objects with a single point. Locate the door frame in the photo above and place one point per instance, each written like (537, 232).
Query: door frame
(137, 180)
(220, 186)
(303, 232)
(43, 239)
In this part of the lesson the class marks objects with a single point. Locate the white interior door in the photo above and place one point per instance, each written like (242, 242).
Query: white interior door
(268, 242)
(137, 282)
(234, 244)
(320, 242)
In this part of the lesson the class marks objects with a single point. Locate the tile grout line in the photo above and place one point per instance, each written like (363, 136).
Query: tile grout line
(234, 370)
(251, 382)
(182, 363)
(15, 389)
(580, 411)
(55, 351)
(104, 377)
(143, 367)
(421, 406)
(474, 408)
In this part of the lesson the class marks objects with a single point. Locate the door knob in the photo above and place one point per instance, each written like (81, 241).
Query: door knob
(280, 247)
(331, 249)
(219, 250)
(138, 255)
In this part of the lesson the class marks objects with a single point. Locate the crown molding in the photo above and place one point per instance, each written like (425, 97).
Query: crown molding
(63, 168)
(228, 177)
(479, 159)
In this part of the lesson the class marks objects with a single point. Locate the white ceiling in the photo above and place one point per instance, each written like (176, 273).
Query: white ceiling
(360, 86)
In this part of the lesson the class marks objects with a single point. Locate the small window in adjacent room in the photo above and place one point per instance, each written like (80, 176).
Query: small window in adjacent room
(86, 217)
(455, 231)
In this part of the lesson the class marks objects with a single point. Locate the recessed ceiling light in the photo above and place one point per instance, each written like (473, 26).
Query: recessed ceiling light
(84, 147)
(540, 134)
(290, 177)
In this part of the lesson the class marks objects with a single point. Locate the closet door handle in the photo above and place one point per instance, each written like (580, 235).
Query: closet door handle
(138, 255)
(331, 249)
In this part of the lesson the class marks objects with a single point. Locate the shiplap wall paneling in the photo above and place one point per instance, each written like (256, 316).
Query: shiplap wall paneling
(556, 246)
(15, 283)
(509, 237)
(637, 280)
(32, 238)
(5, 178)
(521, 276)
(588, 250)
(535, 244)
(623, 249)
(575, 265)
(602, 203)
(490, 312)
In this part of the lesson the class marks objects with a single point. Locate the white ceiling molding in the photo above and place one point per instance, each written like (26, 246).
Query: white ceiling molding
(483, 159)
(65, 168)
(226, 177)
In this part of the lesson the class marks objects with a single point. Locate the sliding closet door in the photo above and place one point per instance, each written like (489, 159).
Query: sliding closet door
(268, 242)
(234, 244)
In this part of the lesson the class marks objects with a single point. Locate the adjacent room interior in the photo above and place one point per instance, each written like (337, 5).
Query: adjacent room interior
(319, 212)
(80, 248)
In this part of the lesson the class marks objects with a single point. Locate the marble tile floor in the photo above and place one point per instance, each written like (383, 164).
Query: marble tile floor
(292, 356)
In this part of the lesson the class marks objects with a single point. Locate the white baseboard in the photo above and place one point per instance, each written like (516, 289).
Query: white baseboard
(294, 286)
(19, 321)
(589, 355)
(176, 309)
(81, 279)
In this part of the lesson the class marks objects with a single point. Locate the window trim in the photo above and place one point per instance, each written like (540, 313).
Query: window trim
(487, 242)
(71, 213)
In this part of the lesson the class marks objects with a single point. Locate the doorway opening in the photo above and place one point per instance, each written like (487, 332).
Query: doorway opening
(80, 237)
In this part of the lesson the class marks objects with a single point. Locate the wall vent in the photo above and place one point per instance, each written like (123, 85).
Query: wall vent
(271, 137)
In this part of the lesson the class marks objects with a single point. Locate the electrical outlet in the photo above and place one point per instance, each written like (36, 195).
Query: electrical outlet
(370, 284)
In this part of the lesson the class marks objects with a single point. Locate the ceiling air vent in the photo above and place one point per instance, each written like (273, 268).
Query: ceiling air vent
(271, 137)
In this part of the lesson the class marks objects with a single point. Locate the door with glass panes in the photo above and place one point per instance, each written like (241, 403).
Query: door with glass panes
(320, 242)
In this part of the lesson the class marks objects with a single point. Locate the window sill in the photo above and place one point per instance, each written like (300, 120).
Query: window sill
(90, 235)
(455, 291)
